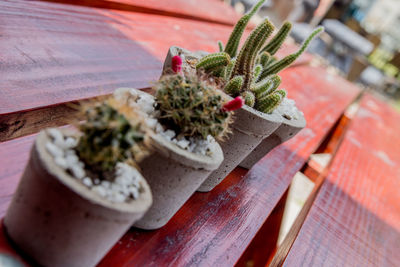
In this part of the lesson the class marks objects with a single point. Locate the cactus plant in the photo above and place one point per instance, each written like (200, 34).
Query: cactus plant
(112, 133)
(191, 107)
(253, 73)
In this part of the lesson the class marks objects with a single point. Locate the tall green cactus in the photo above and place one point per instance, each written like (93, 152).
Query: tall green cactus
(213, 62)
(286, 61)
(247, 55)
(234, 39)
(253, 73)
(273, 46)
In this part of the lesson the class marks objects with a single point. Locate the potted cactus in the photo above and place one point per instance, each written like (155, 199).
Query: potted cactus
(187, 115)
(80, 191)
(252, 74)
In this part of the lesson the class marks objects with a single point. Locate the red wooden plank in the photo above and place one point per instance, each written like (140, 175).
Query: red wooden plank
(214, 11)
(54, 53)
(355, 219)
(215, 228)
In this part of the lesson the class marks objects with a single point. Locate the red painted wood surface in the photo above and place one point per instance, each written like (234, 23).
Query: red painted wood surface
(214, 11)
(215, 228)
(355, 219)
(54, 53)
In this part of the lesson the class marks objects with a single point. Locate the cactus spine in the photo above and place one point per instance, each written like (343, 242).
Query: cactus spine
(191, 107)
(213, 62)
(247, 55)
(253, 73)
(286, 61)
(273, 46)
(234, 39)
(113, 132)
(233, 86)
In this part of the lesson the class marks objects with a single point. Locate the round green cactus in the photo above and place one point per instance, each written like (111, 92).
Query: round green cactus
(191, 107)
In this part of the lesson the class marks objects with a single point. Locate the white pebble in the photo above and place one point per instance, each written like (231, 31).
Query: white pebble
(77, 171)
(70, 142)
(61, 162)
(100, 190)
(54, 150)
(87, 181)
(151, 122)
(183, 143)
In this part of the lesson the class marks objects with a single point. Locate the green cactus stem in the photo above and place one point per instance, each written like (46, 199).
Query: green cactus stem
(249, 98)
(273, 46)
(213, 62)
(191, 107)
(268, 103)
(286, 61)
(234, 39)
(282, 92)
(232, 88)
(112, 133)
(229, 69)
(220, 46)
(257, 71)
(247, 55)
(264, 58)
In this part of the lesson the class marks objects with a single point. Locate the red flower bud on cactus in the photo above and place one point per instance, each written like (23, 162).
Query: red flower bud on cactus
(234, 104)
(176, 64)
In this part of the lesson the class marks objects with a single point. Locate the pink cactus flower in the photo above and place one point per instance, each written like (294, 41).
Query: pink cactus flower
(234, 104)
(176, 64)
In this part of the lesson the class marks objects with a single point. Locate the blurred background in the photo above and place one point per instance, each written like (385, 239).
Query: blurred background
(361, 40)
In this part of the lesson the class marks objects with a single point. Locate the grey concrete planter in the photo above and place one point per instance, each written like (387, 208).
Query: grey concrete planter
(57, 221)
(249, 128)
(285, 131)
(173, 174)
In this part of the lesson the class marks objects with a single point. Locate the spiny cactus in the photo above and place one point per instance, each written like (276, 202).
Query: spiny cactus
(234, 39)
(278, 66)
(191, 107)
(253, 73)
(273, 46)
(112, 133)
(213, 62)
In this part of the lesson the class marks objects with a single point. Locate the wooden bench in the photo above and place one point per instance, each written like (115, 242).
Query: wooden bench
(54, 54)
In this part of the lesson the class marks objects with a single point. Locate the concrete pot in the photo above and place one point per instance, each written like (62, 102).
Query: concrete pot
(173, 174)
(249, 128)
(285, 131)
(57, 221)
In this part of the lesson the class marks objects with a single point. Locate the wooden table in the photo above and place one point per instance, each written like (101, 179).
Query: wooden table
(54, 54)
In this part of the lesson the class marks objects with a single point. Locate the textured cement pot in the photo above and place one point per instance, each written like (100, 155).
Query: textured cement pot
(57, 221)
(249, 128)
(285, 131)
(173, 174)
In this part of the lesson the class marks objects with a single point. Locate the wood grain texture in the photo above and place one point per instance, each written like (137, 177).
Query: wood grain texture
(215, 228)
(355, 219)
(213, 11)
(53, 54)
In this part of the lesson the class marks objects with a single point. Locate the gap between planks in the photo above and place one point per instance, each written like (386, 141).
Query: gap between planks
(316, 174)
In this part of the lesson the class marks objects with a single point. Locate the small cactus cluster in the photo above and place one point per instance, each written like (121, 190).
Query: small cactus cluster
(191, 107)
(113, 132)
(252, 73)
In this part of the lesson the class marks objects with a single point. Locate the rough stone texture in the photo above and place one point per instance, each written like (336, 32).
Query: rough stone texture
(57, 221)
(249, 129)
(285, 131)
(173, 174)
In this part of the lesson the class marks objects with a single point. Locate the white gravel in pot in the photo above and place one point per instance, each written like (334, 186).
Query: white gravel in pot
(125, 185)
(288, 109)
(146, 104)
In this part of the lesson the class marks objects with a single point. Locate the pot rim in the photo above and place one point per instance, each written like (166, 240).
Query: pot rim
(47, 160)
